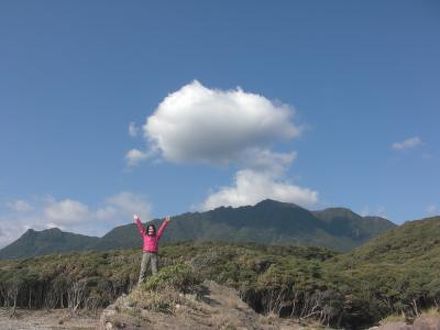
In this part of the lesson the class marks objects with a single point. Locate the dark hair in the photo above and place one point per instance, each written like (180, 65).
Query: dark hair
(154, 229)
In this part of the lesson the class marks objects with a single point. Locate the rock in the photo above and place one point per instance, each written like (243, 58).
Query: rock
(108, 314)
(106, 317)
(427, 322)
(395, 326)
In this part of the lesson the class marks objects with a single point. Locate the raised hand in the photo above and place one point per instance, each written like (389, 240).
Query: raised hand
(135, 218)
(167, 218)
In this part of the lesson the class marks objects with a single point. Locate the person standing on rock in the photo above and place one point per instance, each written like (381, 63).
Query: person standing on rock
(150, 244)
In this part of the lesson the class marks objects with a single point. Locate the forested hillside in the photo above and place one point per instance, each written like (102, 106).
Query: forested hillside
(395, 273)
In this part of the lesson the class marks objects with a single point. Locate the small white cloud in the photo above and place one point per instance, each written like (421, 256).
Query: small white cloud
(133, 130)
(19, 206)
(51, 225)
(199, 124)
(432, 210)
(135, 156)
(67, 212)
(407, 144)
(250, 187)
(124, 205)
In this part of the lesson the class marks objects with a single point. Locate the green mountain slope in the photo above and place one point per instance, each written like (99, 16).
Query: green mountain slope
(33, 243)
(413, 242)
(394, 273)
(268, 222)
(344, 222)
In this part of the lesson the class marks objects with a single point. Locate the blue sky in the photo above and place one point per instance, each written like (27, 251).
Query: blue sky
(353, 78)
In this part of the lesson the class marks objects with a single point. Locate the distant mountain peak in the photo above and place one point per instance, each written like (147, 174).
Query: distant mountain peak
(30, 232)
(334, 212)
(34, 242)
(272, 202)
(52, 229)
(261, 204)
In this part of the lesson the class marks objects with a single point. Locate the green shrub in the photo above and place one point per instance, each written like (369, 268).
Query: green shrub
(179, 277)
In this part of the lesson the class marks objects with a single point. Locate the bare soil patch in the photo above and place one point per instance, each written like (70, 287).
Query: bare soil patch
(58, 319)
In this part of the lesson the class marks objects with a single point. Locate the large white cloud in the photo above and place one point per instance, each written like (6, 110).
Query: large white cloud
(198, 124)
(251, 186)
(70, 215)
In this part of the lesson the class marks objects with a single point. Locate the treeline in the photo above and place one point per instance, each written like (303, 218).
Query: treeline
(291, 281)
(77, 280)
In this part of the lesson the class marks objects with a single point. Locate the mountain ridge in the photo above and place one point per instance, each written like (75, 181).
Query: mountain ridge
(34, 243)
(267, 222)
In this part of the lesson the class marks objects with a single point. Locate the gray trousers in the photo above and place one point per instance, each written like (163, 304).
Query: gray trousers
(148, 257)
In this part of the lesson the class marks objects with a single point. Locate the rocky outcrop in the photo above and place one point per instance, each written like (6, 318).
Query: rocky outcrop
(219, 308)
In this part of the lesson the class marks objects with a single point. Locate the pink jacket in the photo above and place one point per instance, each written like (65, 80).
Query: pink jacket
(151, 243)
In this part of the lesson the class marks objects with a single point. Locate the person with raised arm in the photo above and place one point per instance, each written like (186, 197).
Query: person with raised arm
(150, 244)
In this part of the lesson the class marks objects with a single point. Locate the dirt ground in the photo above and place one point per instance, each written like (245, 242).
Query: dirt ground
(43, 319)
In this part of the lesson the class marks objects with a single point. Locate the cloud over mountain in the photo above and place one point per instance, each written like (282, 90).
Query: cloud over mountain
(197, 124)
(251, 186)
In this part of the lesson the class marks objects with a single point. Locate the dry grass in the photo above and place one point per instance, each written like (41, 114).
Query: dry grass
(164, 301)
(433, 311)
(393, 318)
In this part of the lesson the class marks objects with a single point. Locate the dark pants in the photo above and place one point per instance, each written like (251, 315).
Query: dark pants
(148, 257)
